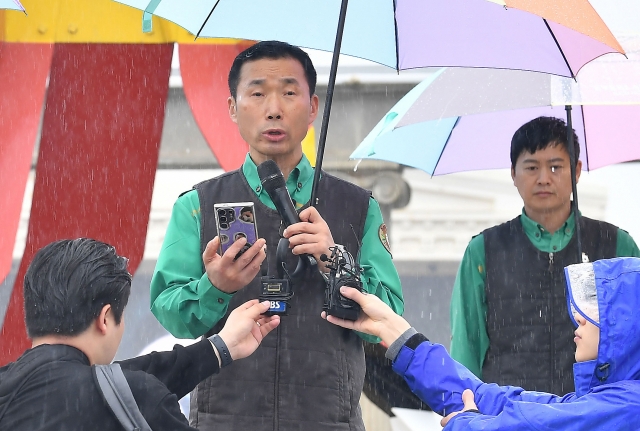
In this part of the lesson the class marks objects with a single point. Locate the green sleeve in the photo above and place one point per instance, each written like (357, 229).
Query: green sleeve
(626, 246)
(469, 339)
(380, 276)
(182, 298)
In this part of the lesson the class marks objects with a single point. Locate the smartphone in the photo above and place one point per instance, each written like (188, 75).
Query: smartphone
(234, 221)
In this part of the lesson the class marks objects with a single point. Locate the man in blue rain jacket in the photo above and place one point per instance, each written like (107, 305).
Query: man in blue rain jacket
(604, 301)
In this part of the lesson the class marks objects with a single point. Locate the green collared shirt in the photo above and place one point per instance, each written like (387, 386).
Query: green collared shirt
(469, 339)
(299, 182)
(188, 305)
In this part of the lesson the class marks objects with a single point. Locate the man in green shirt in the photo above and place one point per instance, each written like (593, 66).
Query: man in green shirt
(506, 309)
(185, 301)
(306, 375)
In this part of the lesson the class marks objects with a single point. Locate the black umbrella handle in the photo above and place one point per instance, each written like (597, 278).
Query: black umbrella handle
(329, 99)
(574, 185)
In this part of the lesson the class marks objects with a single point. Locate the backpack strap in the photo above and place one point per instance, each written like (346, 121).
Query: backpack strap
(117, 393)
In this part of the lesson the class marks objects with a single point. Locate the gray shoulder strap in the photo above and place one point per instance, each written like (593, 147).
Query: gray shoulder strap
(117, 393)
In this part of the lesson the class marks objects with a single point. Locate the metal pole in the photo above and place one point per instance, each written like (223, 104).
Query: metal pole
(574, 185)
(327, 104)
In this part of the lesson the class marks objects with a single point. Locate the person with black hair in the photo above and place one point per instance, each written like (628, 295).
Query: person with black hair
(75, 293)
(310, 375)
(509, 321)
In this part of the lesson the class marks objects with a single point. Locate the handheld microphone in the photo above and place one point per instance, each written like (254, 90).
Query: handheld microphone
(273, 182)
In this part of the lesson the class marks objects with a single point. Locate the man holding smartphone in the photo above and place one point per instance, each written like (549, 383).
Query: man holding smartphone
(310, 374)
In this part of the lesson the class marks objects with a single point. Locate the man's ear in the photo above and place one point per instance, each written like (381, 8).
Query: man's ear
(513, 175)
(578, 170)
(102, 322)
(231, 102)
(314, 108)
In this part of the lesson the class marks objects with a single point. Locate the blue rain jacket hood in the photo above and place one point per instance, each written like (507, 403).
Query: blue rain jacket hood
(607, 393)
(617, 284)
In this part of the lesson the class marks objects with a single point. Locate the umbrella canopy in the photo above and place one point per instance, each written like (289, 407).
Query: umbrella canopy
(463, 119)
(406, 34)
(11, 4)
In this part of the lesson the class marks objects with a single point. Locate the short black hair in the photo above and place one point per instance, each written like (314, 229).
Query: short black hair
(274, 50)
(538, 134)
(69, 282)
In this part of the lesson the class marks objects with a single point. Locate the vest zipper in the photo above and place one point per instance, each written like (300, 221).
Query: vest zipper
(276, 401)
(550, 262)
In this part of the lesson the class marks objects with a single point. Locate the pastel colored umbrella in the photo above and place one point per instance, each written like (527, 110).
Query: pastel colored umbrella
(12, 4)
(536, 35)
(463, 119)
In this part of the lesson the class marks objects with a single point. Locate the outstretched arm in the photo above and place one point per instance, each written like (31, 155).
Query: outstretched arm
(184, 367)
(598, 410)
(426, 367)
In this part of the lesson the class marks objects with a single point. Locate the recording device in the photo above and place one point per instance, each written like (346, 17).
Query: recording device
(343, 271)
(235, 221)
(278, 292)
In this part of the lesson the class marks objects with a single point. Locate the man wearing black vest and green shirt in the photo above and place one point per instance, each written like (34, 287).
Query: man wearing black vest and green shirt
(509, 318)
(309, 374)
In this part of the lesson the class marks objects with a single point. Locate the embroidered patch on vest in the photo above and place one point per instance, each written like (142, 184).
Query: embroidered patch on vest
(384, 237)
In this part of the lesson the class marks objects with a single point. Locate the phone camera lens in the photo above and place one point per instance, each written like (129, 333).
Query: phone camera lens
(231, 214)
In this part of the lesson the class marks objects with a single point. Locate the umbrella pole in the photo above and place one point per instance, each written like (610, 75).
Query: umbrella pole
(327, 104)
(574, 185)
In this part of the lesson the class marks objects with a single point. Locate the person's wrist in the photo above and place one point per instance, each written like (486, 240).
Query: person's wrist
(230, 341)
(224, 354)
(393, 328)
(229, 290)
(217, 284)
(216, 352)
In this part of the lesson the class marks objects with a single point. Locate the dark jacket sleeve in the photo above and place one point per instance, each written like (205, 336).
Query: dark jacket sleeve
(180, 369)
(159, 407)
(167, 416)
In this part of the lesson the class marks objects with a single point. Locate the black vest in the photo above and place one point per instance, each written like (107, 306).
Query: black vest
(530, 331)
(308, 373)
